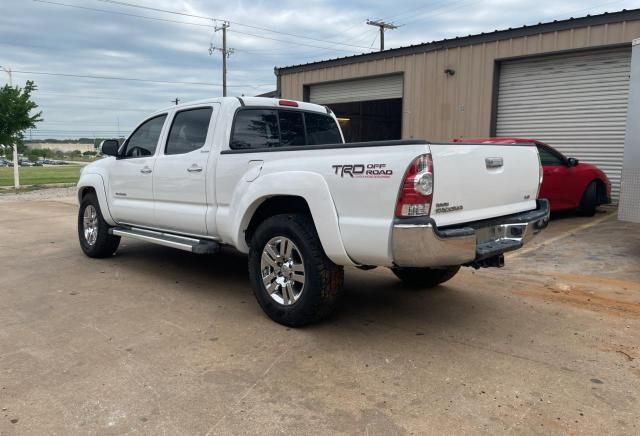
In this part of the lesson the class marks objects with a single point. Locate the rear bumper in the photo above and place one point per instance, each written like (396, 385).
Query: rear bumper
(418, 242)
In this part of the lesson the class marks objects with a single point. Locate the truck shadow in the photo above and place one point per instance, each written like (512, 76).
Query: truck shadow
(370, 296)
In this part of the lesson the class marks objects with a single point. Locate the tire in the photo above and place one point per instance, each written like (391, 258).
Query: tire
(589, 201)
(101, 244)
(425, 277)
(284, 250)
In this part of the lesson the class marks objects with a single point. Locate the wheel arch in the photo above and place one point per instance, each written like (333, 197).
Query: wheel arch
(94, 183)
(271, 206)
(293, 192)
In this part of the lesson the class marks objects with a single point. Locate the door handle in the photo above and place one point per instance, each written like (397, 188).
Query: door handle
(145, 170)
(194, 169)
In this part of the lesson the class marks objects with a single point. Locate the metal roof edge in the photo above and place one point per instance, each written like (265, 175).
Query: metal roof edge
(484, 37)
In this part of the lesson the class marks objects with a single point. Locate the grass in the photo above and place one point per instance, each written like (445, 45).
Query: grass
(41, 175)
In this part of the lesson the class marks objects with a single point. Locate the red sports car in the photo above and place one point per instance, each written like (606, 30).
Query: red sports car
(567, 183)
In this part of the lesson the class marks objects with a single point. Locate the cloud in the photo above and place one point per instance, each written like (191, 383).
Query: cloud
(42, 37)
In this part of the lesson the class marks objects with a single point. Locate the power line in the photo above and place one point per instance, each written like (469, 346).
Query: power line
(129, 79)
(190, 23)
(290, 42)
(297, 43)
(413, 10)
(166, 20)
(184, 14)
(374, 40)
(442, 10)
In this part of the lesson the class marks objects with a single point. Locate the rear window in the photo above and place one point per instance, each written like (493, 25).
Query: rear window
(321, 129)
(265, 128)
(255, 129)
(291, 128)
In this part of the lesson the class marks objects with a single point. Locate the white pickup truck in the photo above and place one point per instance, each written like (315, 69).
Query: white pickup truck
(274, 179)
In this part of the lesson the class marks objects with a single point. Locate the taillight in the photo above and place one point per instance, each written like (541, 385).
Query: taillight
(540, 176)
(416, 191)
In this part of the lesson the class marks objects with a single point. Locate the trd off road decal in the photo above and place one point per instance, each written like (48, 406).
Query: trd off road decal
(371, 171)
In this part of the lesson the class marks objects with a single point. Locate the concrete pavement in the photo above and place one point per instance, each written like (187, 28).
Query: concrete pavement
(157, 341)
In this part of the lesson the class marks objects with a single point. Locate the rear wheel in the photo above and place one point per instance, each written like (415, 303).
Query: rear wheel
(93, 230)
(589, 201)
(425, 277)
(294, 282)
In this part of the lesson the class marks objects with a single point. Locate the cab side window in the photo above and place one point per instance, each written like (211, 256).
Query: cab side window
(188, 131)
(144, 140)
(549, 158)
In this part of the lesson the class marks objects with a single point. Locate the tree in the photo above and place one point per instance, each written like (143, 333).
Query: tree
(16, 116)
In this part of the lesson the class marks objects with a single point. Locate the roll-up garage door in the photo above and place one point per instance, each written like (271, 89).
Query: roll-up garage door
(575, 103)
(376, 88)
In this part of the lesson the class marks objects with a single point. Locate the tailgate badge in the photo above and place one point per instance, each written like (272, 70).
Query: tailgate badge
(493, 162)
(445, 207)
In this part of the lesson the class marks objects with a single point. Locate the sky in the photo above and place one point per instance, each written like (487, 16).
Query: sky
(168, 53)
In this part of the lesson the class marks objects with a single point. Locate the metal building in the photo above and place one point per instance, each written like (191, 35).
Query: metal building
(564, 82)
(629, 209)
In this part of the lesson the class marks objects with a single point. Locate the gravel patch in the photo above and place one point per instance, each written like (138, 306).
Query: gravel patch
(68, 195)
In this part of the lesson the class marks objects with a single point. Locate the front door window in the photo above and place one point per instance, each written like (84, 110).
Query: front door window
(143, 142)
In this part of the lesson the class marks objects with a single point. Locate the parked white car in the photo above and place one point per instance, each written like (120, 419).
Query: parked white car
(274, 179)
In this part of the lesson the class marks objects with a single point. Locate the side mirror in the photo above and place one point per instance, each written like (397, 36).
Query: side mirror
(109, 147)
(572, 162)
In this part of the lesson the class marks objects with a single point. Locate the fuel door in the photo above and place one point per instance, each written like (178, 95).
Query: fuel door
(253, 172)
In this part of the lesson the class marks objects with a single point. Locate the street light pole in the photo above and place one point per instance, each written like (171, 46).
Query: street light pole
(16, 172)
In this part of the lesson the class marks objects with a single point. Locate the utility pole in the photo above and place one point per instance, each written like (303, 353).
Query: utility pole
(225, 54)
(16, 172)
(383, 25)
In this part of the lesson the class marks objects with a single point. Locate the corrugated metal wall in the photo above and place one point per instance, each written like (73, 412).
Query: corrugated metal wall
(441, 107)
(576, 103)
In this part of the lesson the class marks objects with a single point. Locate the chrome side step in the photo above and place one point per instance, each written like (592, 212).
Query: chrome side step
(198, 246)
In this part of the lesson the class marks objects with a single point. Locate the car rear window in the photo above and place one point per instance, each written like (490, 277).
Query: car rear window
(266, 128)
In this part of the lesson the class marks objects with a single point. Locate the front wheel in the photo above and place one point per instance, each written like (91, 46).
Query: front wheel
(425, 277)
(293, 280)
(93, 230)
(589, 201)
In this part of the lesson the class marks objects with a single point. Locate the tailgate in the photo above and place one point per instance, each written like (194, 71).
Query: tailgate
(474, 182)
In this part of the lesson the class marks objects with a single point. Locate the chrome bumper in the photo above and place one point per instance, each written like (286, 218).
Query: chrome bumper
(417, 242)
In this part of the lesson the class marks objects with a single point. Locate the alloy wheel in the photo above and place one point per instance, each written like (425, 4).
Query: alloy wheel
(283, 272)
(90, 224)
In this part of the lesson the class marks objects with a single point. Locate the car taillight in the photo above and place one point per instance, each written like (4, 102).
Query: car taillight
(416, 191)
(540, 176)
